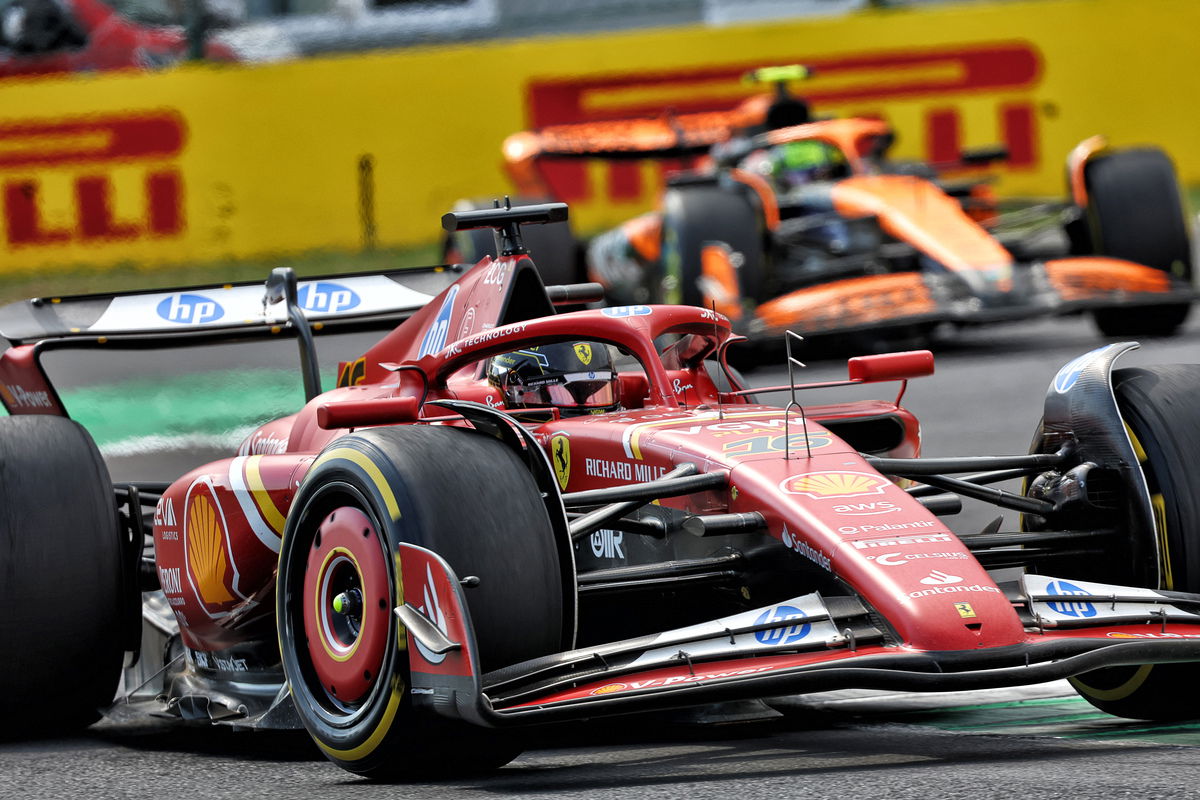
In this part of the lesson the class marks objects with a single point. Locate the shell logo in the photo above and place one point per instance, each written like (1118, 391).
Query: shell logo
(206, 550)
(833, 484)
(609, 688)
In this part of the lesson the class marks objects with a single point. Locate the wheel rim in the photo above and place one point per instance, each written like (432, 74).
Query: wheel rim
(345, 606)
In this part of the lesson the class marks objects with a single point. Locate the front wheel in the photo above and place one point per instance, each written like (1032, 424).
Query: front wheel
(466, 497)
(1134, 212)
(1160, 409)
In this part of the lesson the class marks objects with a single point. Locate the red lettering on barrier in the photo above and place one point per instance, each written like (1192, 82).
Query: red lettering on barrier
(936, 73)
(92, 199)
(91, 141)
(22, 221)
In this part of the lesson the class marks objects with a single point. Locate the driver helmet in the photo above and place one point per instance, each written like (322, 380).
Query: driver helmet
(576, 377)
(793, 164)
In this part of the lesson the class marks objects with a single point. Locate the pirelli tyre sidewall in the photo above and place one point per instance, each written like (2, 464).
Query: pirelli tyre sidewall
(1163, 418)
(462, 495)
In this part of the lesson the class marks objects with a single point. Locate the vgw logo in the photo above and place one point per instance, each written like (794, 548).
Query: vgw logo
(327, 298)
(190, 309)
(784, 634)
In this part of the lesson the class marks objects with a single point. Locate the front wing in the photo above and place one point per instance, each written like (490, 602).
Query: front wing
(805, 644)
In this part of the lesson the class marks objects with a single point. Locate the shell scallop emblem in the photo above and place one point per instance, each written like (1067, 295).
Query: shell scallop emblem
(206, 550)
(833, 484)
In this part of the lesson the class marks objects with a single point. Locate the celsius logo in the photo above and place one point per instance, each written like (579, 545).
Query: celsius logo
(1073, 608)
(435, 337)
(784, 634)
(327, 298)
(190, 309)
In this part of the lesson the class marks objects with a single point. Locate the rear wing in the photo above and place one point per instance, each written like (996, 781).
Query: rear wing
(171, 317)
(198, 315)
(666, 136)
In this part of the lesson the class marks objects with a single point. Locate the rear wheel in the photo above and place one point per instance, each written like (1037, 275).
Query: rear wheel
(694, 216)
(466, 497)
(61, 579)
(1159, 406)
(1135, 212)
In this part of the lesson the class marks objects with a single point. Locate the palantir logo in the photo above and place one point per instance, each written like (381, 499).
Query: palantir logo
(784, 634)
(190, 309)
(324, 297)
(1069, 609)
(435, 337)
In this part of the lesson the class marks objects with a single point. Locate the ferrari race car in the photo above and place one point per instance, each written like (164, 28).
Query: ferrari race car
(466, 537)
(789, 222)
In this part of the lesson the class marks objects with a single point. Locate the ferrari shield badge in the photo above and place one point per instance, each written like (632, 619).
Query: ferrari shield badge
(560, 455)
(584, 351)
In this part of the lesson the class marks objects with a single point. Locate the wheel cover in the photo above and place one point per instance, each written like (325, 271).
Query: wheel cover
(345, 605)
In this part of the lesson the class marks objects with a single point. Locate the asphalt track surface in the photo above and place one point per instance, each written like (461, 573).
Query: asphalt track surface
(1038, 742)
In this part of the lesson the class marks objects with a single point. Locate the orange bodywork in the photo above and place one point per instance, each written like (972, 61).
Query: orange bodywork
(645, 235)
(666, 135)
(719, 281)
(1076, 161)
(915, 211)
(852, 136)
(850, 302)
(766, 195)
(1094, 277)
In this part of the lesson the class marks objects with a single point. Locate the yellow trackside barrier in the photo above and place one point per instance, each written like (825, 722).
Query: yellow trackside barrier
(204, 162)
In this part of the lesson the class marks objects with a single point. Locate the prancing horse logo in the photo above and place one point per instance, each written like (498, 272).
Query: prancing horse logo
(560, 454)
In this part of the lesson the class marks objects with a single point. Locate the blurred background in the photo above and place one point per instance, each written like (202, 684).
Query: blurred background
(149, 143)
(163, 142)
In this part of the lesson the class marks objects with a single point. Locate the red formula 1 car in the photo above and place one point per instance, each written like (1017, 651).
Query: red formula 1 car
(783, 221)
(503, 516)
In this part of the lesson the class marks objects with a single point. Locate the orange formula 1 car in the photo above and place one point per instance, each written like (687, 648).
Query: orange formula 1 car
(786, 222)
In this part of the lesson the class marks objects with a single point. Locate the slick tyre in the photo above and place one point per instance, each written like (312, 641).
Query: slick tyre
(1159, 406)
(469, 499)
(552, 247)
(1135, 212)
(694, 216)
(61, 579)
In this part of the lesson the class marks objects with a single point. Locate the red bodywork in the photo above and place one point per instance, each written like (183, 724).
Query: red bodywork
(112, 41)
(827, 513)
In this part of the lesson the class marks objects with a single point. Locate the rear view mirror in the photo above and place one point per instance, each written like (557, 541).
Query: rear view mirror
(891, 366)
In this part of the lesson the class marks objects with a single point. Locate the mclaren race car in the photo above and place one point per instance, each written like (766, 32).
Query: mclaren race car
(785, 221)
(503, 517)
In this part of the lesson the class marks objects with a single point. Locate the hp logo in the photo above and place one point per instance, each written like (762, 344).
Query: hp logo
(327, 298)
(784, 634)
(190, 309)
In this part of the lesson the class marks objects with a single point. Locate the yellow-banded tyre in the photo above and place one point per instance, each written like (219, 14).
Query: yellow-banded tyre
(466, 497)
(1160, 408)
